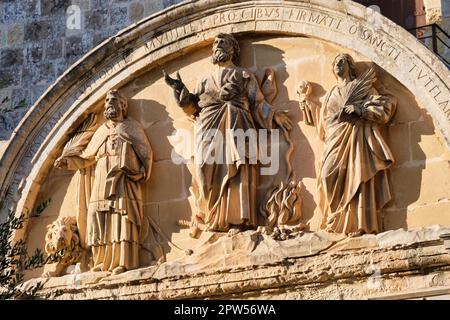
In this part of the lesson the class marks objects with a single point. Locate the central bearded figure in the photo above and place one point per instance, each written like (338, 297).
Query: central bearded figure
(226, 104)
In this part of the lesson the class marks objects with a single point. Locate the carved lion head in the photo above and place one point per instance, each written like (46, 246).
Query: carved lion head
(62, 238)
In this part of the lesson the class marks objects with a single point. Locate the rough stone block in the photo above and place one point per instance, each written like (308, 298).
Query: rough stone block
(73, 47)
(8, 78)
(118, 16)
(11, 57)
(34, 54)
(96, 19)
(35, 31)
(54, 7)
(54, 49)
(136, 12)
(15, 34)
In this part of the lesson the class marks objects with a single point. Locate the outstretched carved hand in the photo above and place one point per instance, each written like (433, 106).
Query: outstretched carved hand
(281, 118)
(176, 84)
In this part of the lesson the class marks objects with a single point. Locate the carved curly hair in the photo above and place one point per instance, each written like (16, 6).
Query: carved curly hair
(72, 253)
(234, 43)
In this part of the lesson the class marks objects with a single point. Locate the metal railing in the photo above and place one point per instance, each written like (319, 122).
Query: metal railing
(439, 43)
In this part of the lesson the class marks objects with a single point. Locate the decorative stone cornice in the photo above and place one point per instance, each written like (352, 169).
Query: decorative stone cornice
(187, 26)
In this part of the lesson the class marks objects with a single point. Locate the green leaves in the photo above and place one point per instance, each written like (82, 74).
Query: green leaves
(14, 259)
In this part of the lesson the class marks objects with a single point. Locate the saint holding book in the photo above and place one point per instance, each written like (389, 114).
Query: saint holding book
(114, 160)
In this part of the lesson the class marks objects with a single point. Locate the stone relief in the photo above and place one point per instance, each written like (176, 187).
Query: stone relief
(62, 239)
(114, 161)
(224, 266)
(227, 101)
(353, 175)
(309, 109)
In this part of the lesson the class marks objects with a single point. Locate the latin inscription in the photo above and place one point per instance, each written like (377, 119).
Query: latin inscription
(376, 40)
(431, 87)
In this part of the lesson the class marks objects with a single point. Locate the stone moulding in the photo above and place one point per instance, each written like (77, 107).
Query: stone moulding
(313, 266)
(34, 145)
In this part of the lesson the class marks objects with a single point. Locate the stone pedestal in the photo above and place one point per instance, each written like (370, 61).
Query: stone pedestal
(396, 264)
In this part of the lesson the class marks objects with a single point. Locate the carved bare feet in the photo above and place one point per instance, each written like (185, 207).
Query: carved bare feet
(194, 228)
(118, 270)
(356, 234)
(233, 231)
(97, 268)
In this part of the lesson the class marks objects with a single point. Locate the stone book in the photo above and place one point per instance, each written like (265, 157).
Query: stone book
(129, 162)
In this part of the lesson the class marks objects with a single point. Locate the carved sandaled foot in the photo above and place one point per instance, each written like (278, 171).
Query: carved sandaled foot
(118, 270)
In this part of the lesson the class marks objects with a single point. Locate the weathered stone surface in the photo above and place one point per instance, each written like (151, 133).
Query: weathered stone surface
(54, 7)
(54, 49)
(36, 31)
(10, 57)
(336, 273)
(96, 19)
(136, 12)
(118, 16)
(8, 78)
(73, 46)
(133, 61)
(15, 34)
(392, 238)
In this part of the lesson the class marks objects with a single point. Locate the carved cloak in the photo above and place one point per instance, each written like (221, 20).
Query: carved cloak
(353, 180)
(133, 138)
(230, 101)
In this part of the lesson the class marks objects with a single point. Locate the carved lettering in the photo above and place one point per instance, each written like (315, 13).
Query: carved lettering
(232, 16)
(420, 76)
(434, 90)
(314, 19)
(376, 41)
(259, 13)
(310, 17)
(301, 15)
(444, 104)
(413, 67)
(429, 81)
(353, 29)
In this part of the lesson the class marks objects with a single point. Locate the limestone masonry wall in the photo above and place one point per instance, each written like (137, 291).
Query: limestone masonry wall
(420, 176)
(40, 39)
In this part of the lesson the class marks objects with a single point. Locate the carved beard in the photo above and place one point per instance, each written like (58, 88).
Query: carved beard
(219, 55)
(111, 113)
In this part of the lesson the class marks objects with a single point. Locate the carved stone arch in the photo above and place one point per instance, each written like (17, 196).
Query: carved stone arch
(143, 46)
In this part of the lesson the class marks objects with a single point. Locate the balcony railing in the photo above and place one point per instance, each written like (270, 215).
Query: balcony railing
(435, 39)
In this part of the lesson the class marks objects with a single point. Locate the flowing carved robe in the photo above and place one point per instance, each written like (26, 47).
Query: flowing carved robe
(230, 100)
(112, 224)
(353, 181)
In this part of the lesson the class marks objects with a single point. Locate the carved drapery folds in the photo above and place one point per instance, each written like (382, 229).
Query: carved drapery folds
(230, 108)
(114, 159)
(353, 177)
